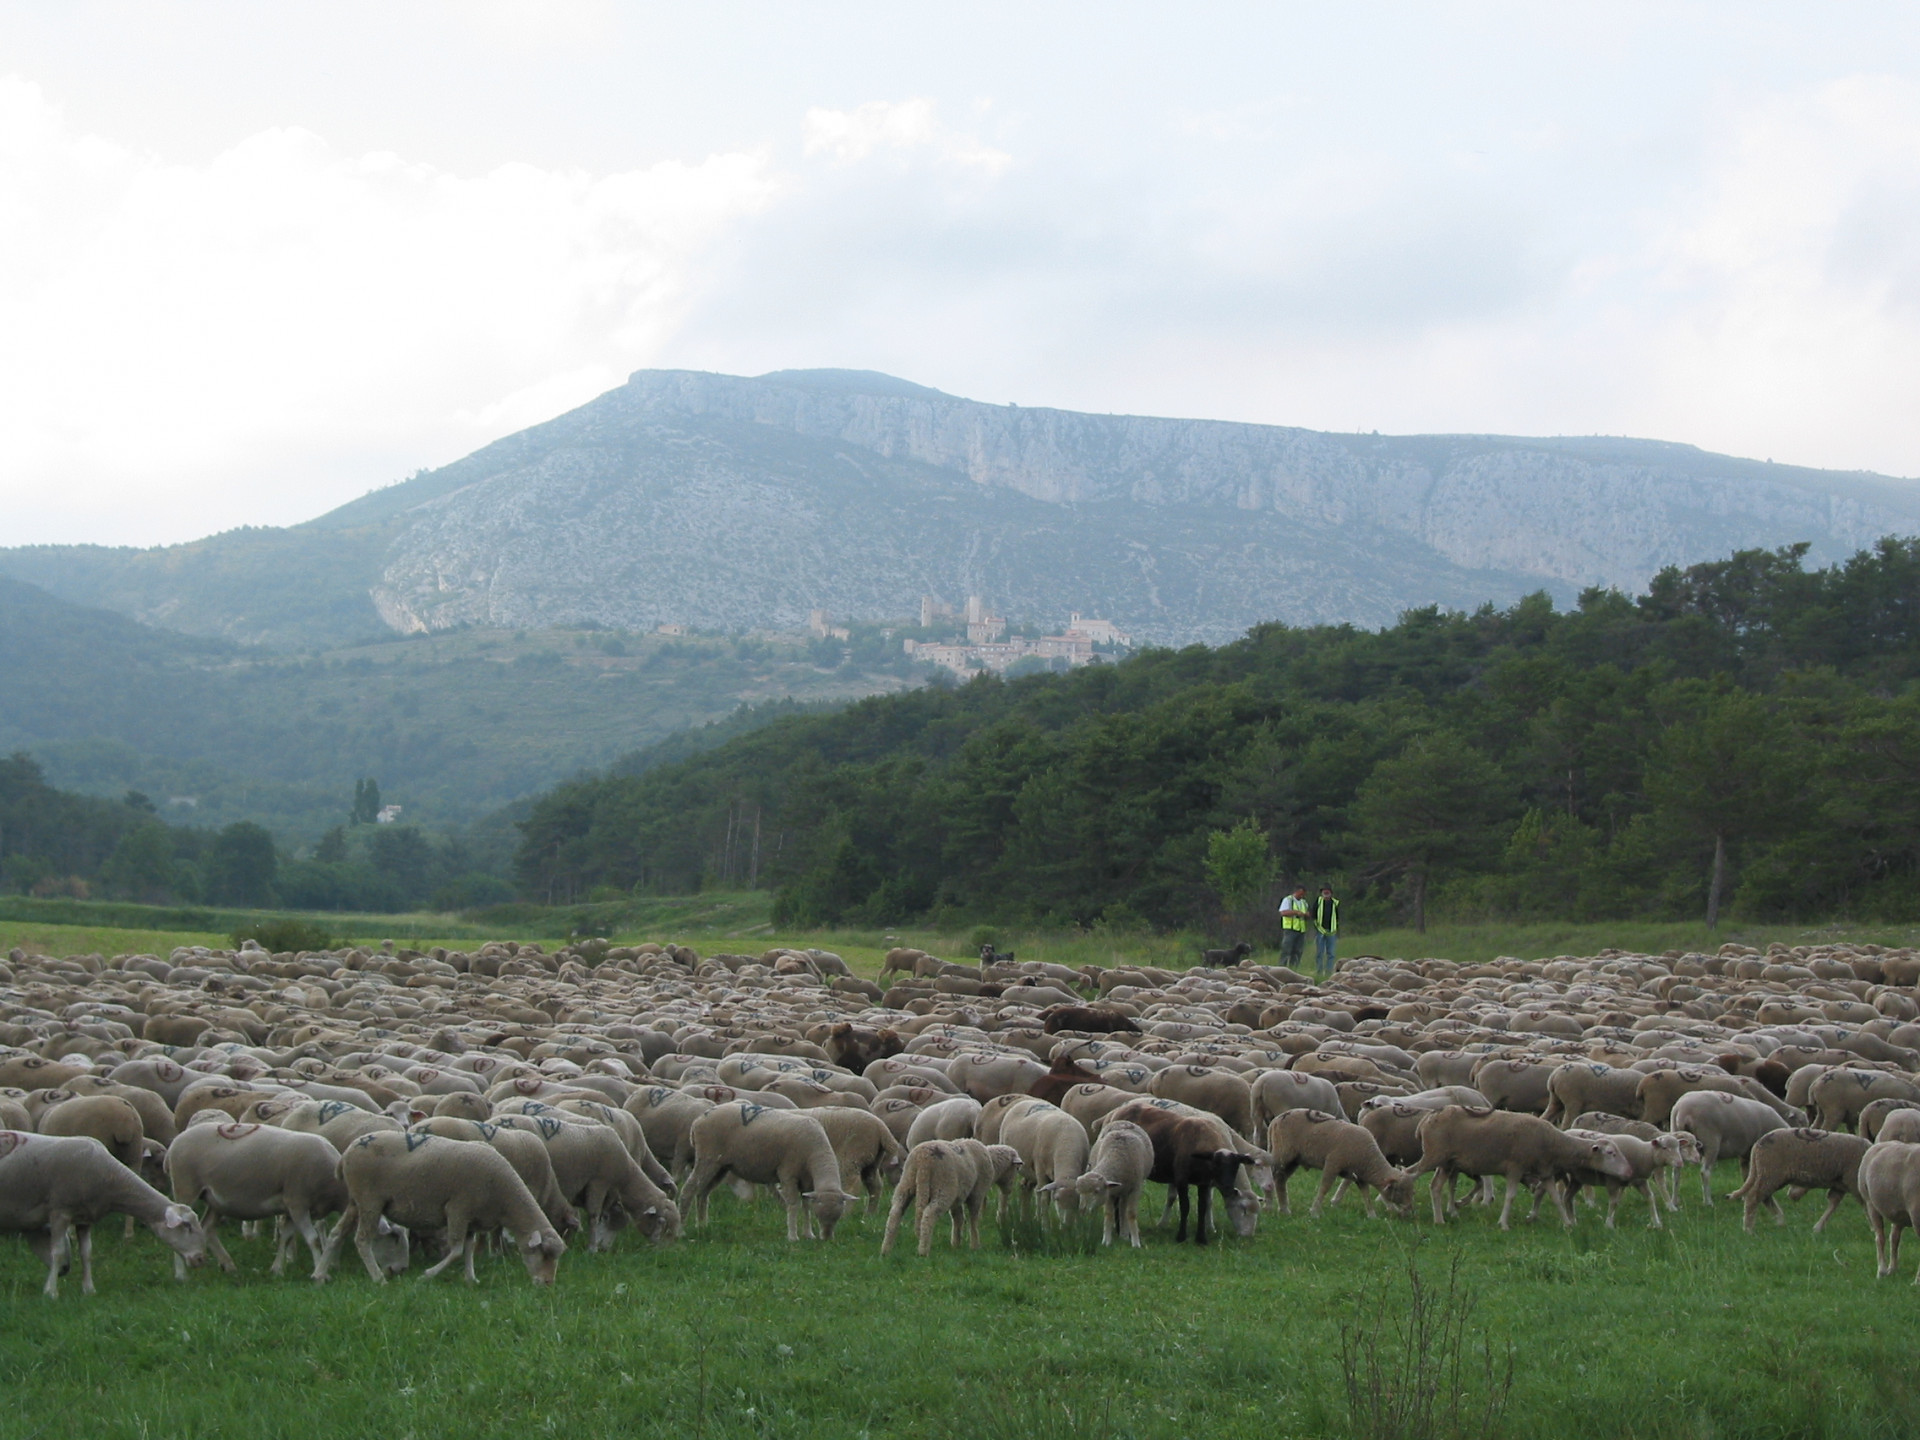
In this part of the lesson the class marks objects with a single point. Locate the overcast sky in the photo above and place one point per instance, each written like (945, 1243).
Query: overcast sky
(258, 259)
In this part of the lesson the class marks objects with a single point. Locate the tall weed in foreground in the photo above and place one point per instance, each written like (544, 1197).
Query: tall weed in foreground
(1410, 1371)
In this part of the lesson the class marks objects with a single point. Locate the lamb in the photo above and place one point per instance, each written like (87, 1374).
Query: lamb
(256, 1172)
(423, 1182)
(1580, 1085)
(1523, 1148)
(769, 1147)
(1341, 1151)
(1219, 1092)
(940, 1177)
(1121, 1162)
(1807, 1159)
(1640, 1130)
(865, 1149)
(64, 1185)
(1725, 1125)
(1277, 1091)
(1890, 1188)
(1052, 1146)
(1647, 1158)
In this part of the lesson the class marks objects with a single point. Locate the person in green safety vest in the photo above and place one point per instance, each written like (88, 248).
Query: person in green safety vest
(1326, 930)
(1293, 926)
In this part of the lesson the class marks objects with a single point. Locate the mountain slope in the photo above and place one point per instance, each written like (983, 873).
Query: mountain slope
(727, 503)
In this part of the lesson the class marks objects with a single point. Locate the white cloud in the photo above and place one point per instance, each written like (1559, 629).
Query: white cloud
(193, 346)
(850, 136)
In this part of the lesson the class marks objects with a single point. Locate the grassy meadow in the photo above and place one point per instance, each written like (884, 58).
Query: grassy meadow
(1697, 1331)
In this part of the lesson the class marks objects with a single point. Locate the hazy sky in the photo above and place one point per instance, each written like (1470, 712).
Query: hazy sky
(258, 259)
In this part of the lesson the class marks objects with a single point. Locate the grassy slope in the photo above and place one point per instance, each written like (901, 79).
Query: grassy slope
(733, 1332)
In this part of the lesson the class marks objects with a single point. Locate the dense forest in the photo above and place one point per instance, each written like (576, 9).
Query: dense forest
(55, 843)
(1743, 738)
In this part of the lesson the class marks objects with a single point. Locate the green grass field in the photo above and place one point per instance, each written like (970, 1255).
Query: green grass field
(1699, 1331)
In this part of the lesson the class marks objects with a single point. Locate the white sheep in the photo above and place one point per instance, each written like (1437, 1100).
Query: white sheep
(781, 1148)
(63, 1185)
(1121, 1161)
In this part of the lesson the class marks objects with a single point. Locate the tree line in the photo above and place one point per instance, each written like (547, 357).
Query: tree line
(1742, 739)
(54, 842)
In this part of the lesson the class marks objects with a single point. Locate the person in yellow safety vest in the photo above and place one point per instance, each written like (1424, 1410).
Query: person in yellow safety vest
(1326, 930)
(1293, 926)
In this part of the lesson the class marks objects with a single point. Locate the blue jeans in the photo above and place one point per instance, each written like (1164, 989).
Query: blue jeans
(1323, 952)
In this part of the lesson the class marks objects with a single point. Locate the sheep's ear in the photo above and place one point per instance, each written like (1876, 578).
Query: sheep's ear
(652, 1210)
(179, 1215)
(384, 1226)
(535, 1240)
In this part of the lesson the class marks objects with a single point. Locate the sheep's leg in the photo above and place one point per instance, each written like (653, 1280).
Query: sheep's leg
(789, 1194)
(1327, 1178)
(1162, 1223)
(1280, 1178)
(1896, 1228)
(1653, 1204)
(363, 1233)
(349, 1219)
(1673, 1190)
(1707, 1159)
(457, 1247)
(705, 1176)
(929, 1215)
(210, 1223)
(473, 1244)
(1834, 1197)
(902, 1197)
(308, 1231)
(1180, 1234)
(87, 1258)
(57, 1252)
(1203, 1212)
(1130, 1218)
(1506, 1210)
(1613, 1203)
(1878, 1224)
(1437, 1185)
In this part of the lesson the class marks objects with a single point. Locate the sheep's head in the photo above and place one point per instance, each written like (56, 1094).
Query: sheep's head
(1604, 1156)
(541, 1252)
(182, 1233)
(392, 1247)
(1678, 1148)
(826, 1207)
(1399, 1193)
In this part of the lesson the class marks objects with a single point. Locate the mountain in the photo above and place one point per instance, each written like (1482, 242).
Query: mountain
(727, 503)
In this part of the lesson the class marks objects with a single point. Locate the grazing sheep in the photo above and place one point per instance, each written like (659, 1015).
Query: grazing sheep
(64, 1185)
(1277, 1091)
(1394, 1120)
(1807, 1159)
(865, 1149)
(666, 1118)
(593, 1170)
(1053, 1147)
(1525, 1149)
(1725, 1125)
(1193, 1150)
(1340, 1151)
(256, 1172)
(769, 1147)
(1121, 1162)
(1890, 1189)
(526, 1152)
(1089, 1103)
(422, 1182)
(1647, 1159)
(939, 1177)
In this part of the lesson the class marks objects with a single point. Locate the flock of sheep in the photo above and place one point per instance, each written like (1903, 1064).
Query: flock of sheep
(516, 1098)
